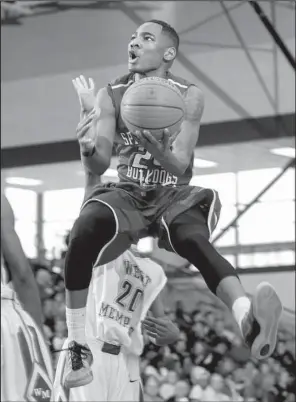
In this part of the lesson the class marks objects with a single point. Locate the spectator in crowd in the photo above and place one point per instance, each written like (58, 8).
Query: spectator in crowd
(168, 387)
(182, 389)
(151, 390)
(44, 281)
(199, 377)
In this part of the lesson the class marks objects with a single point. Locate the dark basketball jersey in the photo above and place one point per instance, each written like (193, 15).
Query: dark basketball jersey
(135, 164)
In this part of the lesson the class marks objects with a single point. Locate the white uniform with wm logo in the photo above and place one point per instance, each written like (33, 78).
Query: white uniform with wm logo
(26, 369)
(120, 295)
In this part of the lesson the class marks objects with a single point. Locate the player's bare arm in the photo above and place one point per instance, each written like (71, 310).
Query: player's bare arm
(96, 134)
(175, 151)
(21, 272)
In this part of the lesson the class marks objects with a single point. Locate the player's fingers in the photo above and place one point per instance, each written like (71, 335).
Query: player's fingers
(160, 328)
(174, 136)
(92, 114)
(89, 117)
(82, 132)
(137, 133)
(87, 121)
(83, 81)
(153, 320)
(166, 136)
(139, 136)
(149, 137)
(75, 84)
(91, 83)
(82, 125)
(150, 326)
(151, 334)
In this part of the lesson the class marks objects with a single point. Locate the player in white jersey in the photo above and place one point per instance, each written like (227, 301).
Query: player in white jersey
(26, 369)
(119, 298)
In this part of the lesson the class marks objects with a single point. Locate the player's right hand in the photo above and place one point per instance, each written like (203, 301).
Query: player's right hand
(85, 132)
(162, 330)
(86, 92)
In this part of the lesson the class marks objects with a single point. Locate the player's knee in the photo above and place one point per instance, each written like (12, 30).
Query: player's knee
(92, 230)
(194, 244)
(95, 219)
(189, 235)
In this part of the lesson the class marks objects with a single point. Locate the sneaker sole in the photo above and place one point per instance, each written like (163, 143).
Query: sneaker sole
(267, 310)
(86, 379)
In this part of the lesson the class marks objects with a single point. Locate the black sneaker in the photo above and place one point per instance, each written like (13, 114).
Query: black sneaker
(260, 325)
(80, 359)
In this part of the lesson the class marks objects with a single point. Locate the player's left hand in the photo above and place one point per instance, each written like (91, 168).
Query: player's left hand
(162, 330)
(157, 148)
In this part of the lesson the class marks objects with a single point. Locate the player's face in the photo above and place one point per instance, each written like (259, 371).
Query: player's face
(146, 48)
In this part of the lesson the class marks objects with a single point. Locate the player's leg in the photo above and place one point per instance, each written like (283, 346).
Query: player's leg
(94, 228)
(258, 319)
(101, 233)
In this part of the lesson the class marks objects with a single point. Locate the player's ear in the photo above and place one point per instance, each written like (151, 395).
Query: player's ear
(170, 54)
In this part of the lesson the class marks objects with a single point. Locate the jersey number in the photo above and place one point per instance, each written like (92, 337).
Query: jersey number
(128, 297)
(142, 157)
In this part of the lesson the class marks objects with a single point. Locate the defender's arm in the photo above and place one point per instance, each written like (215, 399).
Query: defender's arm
(22, 275)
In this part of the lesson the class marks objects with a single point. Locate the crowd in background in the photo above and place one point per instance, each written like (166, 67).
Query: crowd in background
(209, 362)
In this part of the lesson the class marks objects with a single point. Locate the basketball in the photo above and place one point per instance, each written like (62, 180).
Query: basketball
(153, 104)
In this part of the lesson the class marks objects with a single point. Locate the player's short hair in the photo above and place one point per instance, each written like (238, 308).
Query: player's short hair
(167, 29)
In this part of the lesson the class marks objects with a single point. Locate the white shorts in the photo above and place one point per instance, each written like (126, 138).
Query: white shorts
(111, 378)
(26, 369)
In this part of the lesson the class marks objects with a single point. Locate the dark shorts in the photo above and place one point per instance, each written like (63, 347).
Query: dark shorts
(139, 213)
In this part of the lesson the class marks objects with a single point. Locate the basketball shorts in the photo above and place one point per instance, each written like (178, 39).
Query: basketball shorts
(111, 378)
(26, 368)
(139, 213)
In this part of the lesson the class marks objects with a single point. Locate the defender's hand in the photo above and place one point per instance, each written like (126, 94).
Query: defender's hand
(162, 330)
(86, 134)
(157, 148)
(86, 92)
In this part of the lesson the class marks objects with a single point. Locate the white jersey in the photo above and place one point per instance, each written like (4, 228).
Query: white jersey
(26, 369)
(120, 294)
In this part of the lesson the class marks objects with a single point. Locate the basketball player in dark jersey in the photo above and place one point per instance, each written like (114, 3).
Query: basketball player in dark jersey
(153, 197)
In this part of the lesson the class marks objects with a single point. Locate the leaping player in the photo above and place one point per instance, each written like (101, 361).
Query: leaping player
(26, 369)
(183, 217)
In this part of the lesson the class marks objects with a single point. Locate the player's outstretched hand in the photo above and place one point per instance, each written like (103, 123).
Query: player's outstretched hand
(85, 134)
(157, 148)
(86, 92)
(162, 330)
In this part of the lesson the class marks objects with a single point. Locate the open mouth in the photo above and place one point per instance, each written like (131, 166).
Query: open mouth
(132, 57)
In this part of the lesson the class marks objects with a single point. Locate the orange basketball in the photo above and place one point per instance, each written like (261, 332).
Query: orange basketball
(153, 104)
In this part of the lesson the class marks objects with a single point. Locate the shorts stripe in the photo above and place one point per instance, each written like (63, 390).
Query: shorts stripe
(26, 355)
(168, 233)
(36, 344)
(212, 217)
(116, 231)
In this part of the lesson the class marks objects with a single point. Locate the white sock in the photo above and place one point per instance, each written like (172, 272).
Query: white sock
(240, 307)
(76, 324)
